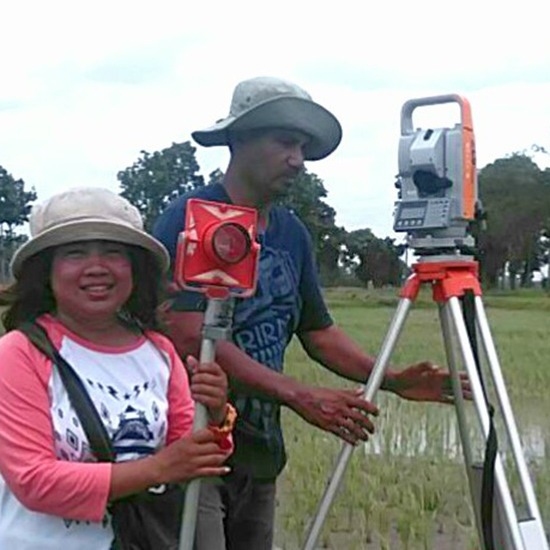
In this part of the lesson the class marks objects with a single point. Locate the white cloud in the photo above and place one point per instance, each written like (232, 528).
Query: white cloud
(84, 89)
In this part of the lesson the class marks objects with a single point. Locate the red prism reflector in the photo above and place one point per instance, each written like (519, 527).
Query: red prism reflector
(218, 248)
(229, 242)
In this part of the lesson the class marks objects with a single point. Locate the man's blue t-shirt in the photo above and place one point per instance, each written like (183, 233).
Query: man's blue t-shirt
(287, 301)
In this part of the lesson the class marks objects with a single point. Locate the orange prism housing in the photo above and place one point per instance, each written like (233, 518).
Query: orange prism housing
(196, 268)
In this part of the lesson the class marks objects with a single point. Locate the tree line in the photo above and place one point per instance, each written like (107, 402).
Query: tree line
(513, 238)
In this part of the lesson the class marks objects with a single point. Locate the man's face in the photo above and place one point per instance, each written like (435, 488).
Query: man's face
(271, 158)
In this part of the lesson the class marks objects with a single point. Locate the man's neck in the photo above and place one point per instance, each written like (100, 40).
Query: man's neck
(243, 194)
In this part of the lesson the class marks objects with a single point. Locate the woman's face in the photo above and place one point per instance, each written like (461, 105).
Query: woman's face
(91, 279)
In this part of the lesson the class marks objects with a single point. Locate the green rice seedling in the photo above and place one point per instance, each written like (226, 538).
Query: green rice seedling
(410, 480)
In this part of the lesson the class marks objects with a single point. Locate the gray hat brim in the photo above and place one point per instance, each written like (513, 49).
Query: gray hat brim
(281, 112)
(89, 230)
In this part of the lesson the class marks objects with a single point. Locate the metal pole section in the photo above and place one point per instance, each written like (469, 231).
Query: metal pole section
(483, 417)
(450, 352)
(508, 415)
(449, 340)
(214, 310)
(373, 384)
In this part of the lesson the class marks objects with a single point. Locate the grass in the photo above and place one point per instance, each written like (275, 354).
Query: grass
(408, 488)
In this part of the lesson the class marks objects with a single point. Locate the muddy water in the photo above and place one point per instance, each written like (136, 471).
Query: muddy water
(410, 430)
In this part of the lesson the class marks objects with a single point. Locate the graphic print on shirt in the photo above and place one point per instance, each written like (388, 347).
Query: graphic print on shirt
(133, 434)
(270, 318)
(135, 420)
(120, 395)
(271, 315)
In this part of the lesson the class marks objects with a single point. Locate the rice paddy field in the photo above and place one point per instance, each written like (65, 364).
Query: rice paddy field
(407, 487)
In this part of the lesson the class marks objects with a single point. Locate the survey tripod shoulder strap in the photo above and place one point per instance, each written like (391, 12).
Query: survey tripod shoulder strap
(93, 427)
(491, 445)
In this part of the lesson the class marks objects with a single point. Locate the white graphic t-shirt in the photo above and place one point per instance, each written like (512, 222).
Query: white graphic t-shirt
(53, 494)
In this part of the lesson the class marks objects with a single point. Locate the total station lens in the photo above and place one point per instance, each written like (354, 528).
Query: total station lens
(231, 243)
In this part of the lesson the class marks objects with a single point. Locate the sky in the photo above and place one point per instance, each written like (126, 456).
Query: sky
(86, 86)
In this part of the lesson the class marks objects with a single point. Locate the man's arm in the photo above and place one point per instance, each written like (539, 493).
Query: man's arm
(342, 412)
(422, 381)
(184, 329)
(334, 349)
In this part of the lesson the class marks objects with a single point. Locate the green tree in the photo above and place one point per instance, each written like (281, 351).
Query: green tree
(375, 260)
(216, 176)
(15, 207)
(357, 243)
(157, 178)
(545, 254)
(305, 199)
(516, 197)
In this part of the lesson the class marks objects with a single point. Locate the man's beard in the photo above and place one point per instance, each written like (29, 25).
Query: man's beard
(284, 190)
(284, 193)
(290, 180)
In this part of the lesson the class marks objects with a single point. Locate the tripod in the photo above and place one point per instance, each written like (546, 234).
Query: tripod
(454, 277)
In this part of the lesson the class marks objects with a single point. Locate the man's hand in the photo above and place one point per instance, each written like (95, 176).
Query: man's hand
(427, 382)
(342, 412)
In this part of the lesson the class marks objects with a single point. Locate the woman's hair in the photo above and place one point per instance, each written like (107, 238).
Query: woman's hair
(31, 295)
(147, 290)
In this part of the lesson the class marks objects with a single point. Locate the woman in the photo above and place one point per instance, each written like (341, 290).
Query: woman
(90, 276)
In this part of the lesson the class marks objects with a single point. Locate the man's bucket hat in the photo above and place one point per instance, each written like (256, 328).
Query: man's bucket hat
(267, 102)
(84, 214)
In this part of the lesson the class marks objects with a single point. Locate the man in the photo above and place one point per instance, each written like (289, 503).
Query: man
(272, 128)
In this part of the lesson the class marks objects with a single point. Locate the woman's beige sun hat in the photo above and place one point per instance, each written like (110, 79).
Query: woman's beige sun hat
(84, 214)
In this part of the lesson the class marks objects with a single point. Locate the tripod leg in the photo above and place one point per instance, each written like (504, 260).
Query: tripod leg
(474, 469)
(532, 529)
(508, 509)
(373, 384)
(449, 341)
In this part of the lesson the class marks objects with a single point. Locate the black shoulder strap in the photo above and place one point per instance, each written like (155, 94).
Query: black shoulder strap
(92, 425)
